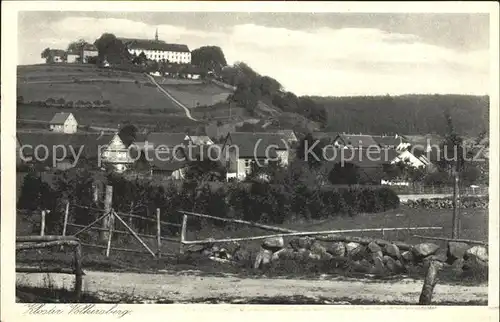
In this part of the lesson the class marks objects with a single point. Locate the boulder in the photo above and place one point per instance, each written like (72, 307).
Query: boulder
(263, 258)
(374, 247)
(478, 252)
(408, 256)
(475, 265)
(314, 256)
(318, 248)
(424, 249)
(301, 242)
(352, 249)
(378, 266)
(441, 255)
(378, 254)
(284, 254)
(241, 255)
(326, 256)
(362, 266)
(457, 250)
(337, 249)
(303, 253)
(394, 265)
(273, 244)
(392, 250)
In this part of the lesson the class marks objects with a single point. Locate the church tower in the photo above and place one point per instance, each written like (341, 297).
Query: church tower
(156, 35)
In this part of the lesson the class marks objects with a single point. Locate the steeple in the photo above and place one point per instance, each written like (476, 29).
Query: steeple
(156, 35)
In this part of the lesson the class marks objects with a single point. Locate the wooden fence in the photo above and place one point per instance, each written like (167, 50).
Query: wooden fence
(37, 242)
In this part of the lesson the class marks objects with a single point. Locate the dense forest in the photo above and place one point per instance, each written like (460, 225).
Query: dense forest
(407, 114)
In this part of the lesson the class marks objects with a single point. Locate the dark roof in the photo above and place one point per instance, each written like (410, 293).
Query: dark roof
(167, 139)
(357, 140)
(363, 158)
(57, 52)
(388, 141)
(90, 142)
(59, 118)
(255, 144)
(169, 165)
(89, 47)
(154, 45)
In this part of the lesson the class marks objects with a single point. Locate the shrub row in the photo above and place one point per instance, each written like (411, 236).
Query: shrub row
(447, 203)
(62, 103)
(257, 202)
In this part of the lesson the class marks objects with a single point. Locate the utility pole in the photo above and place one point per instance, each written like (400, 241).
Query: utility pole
(456, 204)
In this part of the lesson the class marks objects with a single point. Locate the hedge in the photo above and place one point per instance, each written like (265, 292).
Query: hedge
(261, 202)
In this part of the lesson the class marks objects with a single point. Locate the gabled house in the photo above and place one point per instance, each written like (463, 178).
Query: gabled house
(289, 135)
(117, 155)
(392, 142)
(354, 141)
(241, 150)
(72, 57)
(60, 150)
(88, 52)
(200, 140)
(63, 123)
(368, 162)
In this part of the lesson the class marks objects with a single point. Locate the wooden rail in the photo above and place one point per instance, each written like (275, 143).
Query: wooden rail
(468, 241)
(37, 242)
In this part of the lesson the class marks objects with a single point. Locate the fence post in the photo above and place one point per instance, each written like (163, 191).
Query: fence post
(108, 200)
(111, 224)
(158, 231)
(42, 226)
(455, 232)
(183, 233)
(78, 272)
(66, 213)
(430, 282)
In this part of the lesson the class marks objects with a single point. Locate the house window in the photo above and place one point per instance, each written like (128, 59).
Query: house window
(248, 163)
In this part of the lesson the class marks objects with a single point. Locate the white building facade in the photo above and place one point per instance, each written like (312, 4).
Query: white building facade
(64, 123)
(159, 50)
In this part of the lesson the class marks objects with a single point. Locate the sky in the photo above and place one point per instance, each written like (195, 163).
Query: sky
(323, 54)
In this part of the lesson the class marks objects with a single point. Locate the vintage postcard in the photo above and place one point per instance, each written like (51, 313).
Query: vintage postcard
(325, 157)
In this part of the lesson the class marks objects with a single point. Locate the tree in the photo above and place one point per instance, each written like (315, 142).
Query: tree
(47, 55)
(205, 170)
(77, 46)
(128, 134)
(112, 49)
(346, 173)
(310, 150)
(209, 57)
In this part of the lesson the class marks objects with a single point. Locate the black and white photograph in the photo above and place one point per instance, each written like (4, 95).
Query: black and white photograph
(251, 157)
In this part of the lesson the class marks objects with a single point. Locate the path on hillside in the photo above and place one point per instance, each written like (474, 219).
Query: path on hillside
(186, 110)
(192, 286)
(70, 81)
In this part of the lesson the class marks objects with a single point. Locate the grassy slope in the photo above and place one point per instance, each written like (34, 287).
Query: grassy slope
(193, 95)
(139, 104)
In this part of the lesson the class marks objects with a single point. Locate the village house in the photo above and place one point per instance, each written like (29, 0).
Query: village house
(354, 141)
(241, 150)
(72, 57)
(117, 155)
(56, 56)
(158, 50)
(88, 51)
(63, 123)
(58, 150)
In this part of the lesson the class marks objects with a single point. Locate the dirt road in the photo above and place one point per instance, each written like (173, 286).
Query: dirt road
(167, 94)
(192, 287)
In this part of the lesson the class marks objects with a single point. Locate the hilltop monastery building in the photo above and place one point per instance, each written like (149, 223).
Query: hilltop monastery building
(159, 50)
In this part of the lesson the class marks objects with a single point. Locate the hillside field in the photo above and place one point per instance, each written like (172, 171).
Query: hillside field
(194, 95)
(154, 119)
(73, 83)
